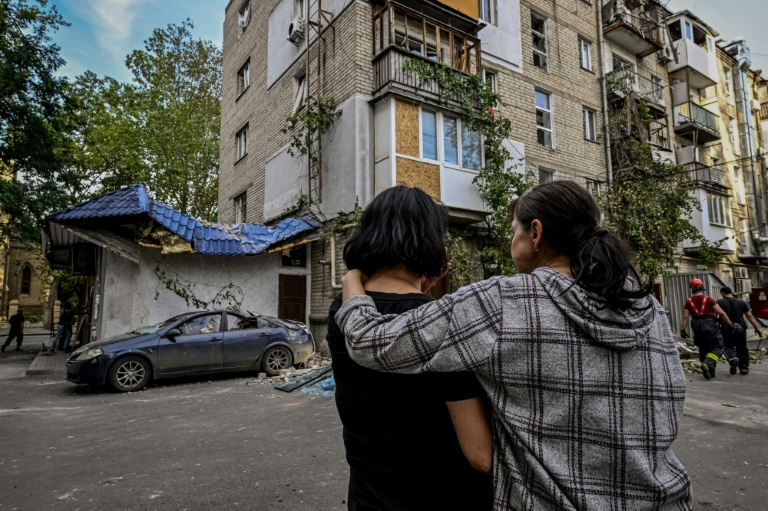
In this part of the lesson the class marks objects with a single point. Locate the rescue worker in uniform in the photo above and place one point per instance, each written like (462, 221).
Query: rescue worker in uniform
(703, 311)
(736, 337)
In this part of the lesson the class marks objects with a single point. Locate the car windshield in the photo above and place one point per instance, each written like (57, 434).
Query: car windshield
(151, 329)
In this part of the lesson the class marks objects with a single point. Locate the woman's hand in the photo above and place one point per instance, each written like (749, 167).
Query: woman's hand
(352, 284)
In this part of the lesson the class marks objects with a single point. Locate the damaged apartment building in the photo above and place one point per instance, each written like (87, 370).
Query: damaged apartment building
(555, 66)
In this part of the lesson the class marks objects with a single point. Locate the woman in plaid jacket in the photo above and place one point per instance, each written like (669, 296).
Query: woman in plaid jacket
(577, 358)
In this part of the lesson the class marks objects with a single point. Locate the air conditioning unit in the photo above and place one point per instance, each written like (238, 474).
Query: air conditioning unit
(756, 105)
(743, 286)
(296, 30)
(666, 55)
(741, 272)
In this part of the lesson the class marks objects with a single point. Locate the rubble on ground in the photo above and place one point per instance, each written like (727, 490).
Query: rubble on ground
(691, 363)
(287, 375)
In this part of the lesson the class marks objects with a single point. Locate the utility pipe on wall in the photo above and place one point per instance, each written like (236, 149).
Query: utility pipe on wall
(604, 92)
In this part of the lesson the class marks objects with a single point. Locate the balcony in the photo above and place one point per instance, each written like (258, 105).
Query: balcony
(635, 30)
(695, 123)
(402, 33)
(624, 81)
(695, 50)
(705, 176)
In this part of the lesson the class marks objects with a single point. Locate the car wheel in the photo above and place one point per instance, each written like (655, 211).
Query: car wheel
(129, 374)
(275, 359)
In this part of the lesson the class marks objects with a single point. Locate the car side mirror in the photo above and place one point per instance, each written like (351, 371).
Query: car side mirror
(173, 332)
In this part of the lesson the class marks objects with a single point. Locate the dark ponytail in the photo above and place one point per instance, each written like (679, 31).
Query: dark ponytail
(600, 260)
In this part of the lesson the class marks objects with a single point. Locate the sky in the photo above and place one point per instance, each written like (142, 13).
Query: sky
(104, 32)
(733, 18)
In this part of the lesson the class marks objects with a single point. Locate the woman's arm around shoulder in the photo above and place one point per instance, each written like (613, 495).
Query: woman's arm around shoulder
(454, 333)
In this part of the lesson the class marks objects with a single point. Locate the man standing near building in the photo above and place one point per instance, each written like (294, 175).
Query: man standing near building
(64, 332)
(735, 337)
(17, 330)
(703, 311)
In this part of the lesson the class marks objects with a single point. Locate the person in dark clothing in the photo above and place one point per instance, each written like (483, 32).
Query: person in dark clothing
(735, 337)
(706, 332)
(17, 330)
(413, 442)
(64, 331)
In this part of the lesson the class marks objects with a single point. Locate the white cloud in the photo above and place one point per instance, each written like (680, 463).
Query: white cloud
(112, 22)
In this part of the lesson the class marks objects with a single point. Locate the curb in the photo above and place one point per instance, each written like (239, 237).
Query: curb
(39, 367)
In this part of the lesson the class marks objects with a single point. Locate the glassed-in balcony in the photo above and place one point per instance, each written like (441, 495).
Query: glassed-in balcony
(635, 29)
(696, 123)
(695, 53)
(401, 32)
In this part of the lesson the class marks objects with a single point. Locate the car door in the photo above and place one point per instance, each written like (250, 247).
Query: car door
(197, 348)
(246, 339)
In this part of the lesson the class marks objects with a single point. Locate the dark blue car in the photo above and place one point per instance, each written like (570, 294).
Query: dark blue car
(191, 344)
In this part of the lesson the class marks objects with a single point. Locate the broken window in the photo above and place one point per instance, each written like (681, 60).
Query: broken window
(242, 142)
(295, 257)
(244, 77)
(240, 202)
(201, 325)
(300, 89)
(544, 118)
(539, 32)
(244, 16)
(490, 78)
(546, 176)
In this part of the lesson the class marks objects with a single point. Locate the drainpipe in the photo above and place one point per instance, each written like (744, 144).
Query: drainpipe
(604, 91)
(346, 227)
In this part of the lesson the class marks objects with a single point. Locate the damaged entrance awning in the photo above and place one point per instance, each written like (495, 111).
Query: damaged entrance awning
(122, 221)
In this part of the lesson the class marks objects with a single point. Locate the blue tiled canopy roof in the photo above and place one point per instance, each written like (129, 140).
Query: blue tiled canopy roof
(132, 204)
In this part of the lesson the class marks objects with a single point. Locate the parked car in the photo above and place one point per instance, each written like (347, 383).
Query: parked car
(190, 344)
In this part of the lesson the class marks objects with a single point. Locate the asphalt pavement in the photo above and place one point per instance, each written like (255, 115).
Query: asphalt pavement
(235, 443)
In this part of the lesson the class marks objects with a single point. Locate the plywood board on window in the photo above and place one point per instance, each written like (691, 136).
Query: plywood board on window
(469, 7)
(418, 173)
(407, 128)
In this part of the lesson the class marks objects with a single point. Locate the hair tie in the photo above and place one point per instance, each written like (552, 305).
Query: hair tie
(599, 232)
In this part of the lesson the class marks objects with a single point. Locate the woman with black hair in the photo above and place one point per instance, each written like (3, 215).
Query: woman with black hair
(578, 360)
(413, 442)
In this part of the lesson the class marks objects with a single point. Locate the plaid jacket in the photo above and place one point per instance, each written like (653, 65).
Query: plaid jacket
(586, 401)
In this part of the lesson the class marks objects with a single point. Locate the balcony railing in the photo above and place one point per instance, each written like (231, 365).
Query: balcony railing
(706, 176)
(624, 80)
(647, 32)
(696, 121)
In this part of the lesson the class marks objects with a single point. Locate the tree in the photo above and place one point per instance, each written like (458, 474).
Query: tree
(35, 151)
(163, 127)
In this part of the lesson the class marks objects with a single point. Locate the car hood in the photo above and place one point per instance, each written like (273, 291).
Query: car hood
(116, 339)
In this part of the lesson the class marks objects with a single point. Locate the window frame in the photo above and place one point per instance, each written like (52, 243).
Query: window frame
(585, 44)
(733, 134)
(590, 132)
(545, 37)
(494, 79)
(25, 287)
(551, 112)
(299, 91)
(728, 85)
(440, 118)
(244, 77)
(719, 210)
(546, 172)
(593, 186)
(240, 205)
(490, 17)
(241, 145)
(244, 16)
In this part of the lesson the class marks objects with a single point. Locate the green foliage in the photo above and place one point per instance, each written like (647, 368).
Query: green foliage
(461, 262)
(230, 296)
(162, 128)
(651, 201)
(497, 181)
(34, 123)
(307, 123)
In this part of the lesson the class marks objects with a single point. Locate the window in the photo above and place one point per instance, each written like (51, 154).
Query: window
(593, 187)
(585, 54)
(26, 279)
(589, 124)
(300, 86)
(738, 185)
(429, 135)
(688, 31)
(298, 8)
(543, 119)
(491, 79)
(546, 176)
(242, 142)
(240, 202)
(744, 237)
(733, 132)
(728, 84)
(295, 257)
(488, 11)
(244, 77)
(461, 146)
(657, 90)
(239, 323)
(244, 16)
(719, 210)
(202, 325)
(539, 33)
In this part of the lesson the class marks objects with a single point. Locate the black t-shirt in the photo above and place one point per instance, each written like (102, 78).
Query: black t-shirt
(735, 309)
(16, 321)
(401, 447)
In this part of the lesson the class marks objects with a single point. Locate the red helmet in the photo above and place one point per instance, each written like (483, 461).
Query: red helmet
(694, 283)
